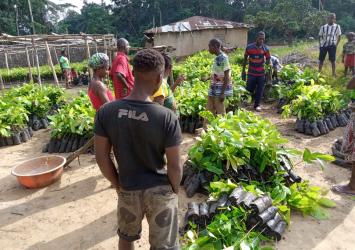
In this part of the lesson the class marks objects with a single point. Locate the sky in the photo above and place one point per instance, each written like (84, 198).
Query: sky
(78, 3)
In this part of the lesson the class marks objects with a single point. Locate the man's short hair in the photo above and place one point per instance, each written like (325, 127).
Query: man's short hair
(260, 33)
(121, 43)
(332, 15)
(148, 60)
(216, 43)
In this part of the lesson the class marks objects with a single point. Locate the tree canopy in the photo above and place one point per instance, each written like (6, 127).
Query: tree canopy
(280, 19)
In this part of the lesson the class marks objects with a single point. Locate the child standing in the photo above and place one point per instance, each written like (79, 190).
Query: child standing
(221, 86)
(349, 54)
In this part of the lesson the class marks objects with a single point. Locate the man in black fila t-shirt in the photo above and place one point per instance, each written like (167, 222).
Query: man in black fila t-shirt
(141, 133)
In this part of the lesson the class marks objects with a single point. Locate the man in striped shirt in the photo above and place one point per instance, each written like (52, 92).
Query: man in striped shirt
(329, 38)
(257, 53)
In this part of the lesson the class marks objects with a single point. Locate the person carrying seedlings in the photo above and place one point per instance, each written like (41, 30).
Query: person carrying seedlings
(98, 92)
(349, 54)
(329, 38)
(258, 54)
(164, 96)
(141, 133)
(121, 72)
(65, 67)
(348, 148)
(221, 86)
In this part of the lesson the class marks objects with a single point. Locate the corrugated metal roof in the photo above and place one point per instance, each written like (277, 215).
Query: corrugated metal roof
(197, 23)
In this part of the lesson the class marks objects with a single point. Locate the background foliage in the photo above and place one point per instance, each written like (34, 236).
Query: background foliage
(283, 20)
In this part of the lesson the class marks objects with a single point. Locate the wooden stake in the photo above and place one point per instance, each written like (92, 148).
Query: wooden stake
(1, 83)
(96, 47)
(55, 54)
(49, 57)
(68, 51)
(29, 65)
(88, 55)
(37, 62)
(105, 46)
(7, 63)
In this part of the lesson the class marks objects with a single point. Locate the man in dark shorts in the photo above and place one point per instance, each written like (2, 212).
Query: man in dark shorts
(141, 133)
(329, 38)
(258, 54)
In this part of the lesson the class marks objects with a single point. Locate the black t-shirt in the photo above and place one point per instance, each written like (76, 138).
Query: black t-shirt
(139, 132)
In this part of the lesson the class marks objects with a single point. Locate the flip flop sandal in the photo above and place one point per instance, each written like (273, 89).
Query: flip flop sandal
(342, 189)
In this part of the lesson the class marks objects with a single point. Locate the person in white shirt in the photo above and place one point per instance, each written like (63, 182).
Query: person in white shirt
(329, 38)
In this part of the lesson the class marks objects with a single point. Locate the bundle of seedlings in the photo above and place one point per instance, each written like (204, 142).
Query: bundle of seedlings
(249, 152)
(261, 214)
(196, 181)
(265, 213)
(13, 122)
(340, 157)
(292, 78)
(319, 110)
(72, 126)
(16, 137)
(67, 143)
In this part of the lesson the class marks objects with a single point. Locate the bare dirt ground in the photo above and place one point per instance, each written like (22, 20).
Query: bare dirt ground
(79, 211)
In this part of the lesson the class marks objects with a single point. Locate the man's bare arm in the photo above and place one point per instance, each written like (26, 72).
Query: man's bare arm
(123, 80)
(226, 80)
(103, 159)
(174, 167)
(244, 67)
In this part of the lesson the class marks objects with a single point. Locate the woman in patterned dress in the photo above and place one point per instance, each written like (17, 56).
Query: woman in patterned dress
(348, 148)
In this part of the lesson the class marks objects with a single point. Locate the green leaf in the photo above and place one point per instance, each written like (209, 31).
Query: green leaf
(326, 202)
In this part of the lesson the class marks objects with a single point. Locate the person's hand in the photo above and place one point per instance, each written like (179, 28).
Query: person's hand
(180, 79)
(244, 76)
(221, 97)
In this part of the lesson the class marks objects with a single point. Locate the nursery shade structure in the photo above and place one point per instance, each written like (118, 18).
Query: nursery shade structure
(12, 46)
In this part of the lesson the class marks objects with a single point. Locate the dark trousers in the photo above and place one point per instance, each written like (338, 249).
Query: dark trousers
(255, 85)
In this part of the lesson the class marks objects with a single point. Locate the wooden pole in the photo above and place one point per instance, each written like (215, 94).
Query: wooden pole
(105, 46)
(55, 54)
(68, 51)
(96, 47)
(51, 63)
(29, 65)
(37, 62)
(88, 55)
(7, 63)
(1, 83)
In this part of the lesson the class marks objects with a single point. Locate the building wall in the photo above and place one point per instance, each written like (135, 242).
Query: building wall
(187, 43)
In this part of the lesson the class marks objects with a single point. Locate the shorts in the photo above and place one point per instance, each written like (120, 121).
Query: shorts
(160, 206)
(67, 74)
(331, 50)
(216, 89)
(349, 61)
